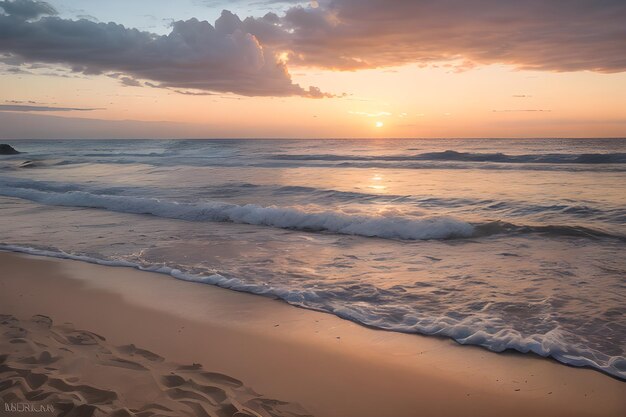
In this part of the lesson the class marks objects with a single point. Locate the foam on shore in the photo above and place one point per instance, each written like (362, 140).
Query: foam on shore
(550, 344)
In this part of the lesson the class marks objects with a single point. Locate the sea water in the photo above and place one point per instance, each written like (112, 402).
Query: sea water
(506, 244)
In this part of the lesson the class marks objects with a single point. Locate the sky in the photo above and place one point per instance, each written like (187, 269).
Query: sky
(312, 69)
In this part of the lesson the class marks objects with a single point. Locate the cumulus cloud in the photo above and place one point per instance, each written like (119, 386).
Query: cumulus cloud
(195, 55)
(557, 35)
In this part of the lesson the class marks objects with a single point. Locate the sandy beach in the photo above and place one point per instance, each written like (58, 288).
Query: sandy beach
(125, 340)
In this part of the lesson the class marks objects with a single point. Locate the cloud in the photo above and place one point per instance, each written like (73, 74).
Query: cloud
(22, 102)
(250, 57)
(194, 93)
(125, 80)
(130, 82)
(195, 55)
(29, 108)
(555, 35)
(87, 17)
(27, 9)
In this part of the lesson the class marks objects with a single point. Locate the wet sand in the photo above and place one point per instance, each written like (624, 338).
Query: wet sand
(125, 341)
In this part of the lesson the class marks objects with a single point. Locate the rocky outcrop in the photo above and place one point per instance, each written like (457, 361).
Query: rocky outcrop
(7, 150)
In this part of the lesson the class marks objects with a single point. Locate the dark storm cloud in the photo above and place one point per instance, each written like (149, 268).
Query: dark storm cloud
(558, 35)
(195, 55)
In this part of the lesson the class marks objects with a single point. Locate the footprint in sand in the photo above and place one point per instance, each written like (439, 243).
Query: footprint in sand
(91, 395)
(123, 363)
(44, 358)
(42, 321)
(8, 320)
(47, 368)
(16, 333)
(132, 350)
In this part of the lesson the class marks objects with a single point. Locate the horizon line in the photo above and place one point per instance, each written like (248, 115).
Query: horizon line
(346, 138)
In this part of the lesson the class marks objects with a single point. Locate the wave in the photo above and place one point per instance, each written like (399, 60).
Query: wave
(282, 217)
(508, 207)
(551, 158)
(500, 227)
(321, 196)
(552, 343)
(386, 227)
(332, 162)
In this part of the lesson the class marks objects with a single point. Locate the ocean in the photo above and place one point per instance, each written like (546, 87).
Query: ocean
(505, 244)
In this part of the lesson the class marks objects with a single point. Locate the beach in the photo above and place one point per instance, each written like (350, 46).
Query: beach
(312, 362)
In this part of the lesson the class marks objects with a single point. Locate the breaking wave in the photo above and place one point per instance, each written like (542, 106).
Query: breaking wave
(282, 217)
(386, 227)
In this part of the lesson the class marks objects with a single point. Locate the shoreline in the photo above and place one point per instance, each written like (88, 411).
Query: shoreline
(222, 282)
(330, 366)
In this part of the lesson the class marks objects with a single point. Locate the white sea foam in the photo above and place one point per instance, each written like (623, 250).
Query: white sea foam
(394, 227)
(467, 331)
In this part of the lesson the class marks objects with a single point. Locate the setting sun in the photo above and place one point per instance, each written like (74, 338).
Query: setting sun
(379, 124)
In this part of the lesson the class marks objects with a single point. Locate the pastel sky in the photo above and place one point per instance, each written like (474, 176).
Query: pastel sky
(303, 69)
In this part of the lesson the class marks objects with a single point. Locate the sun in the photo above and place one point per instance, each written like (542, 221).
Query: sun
(379, 124)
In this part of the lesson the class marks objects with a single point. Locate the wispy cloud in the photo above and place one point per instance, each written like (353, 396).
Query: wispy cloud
(37, 108)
